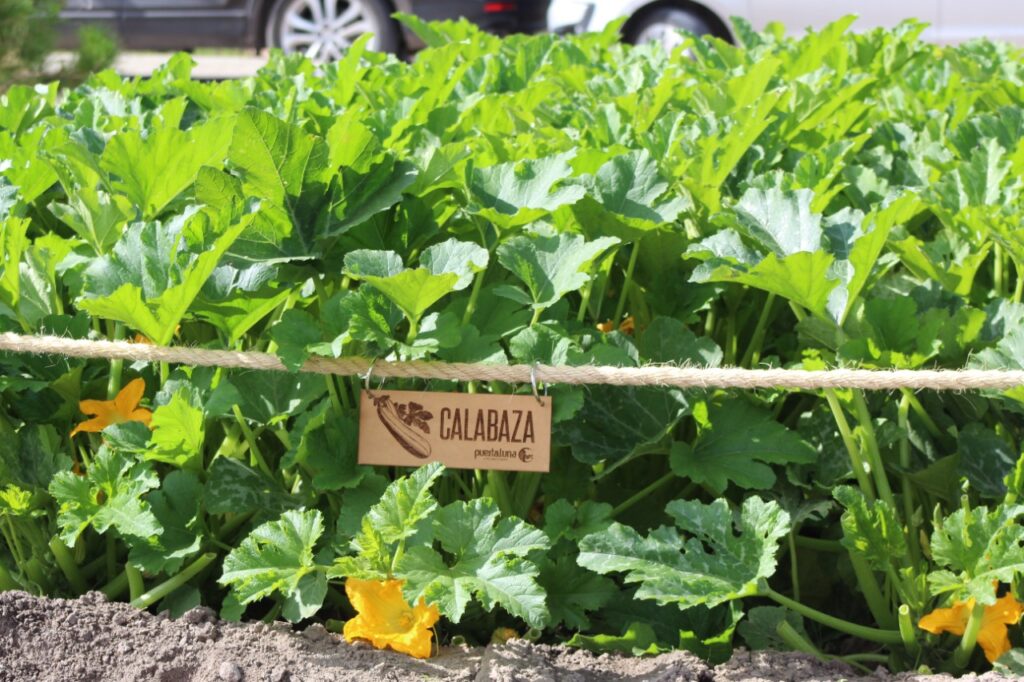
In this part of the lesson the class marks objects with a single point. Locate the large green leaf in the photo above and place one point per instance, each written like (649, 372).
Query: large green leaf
(519, 192)
(736, 444)
(277, 557)
(489, 564)
(703, 562)
(549, 266)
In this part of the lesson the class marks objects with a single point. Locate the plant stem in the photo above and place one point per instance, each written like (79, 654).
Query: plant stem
(820, 545)
(874, 454)
(877, 603)
(906, 488)
(136, 586)
(536, 316)
(478, 284)
(147, 599)
(753, 354)
(788, 634)
(67, 565)
(497, 484)
(962, 655)
(922, 414)
(581, 314)
(1018, 290)
(255, 454)
(860, 468)
(116, 332)
(620, 308)
(116, 587)
(794, 569)
(7, 581)
(111, 555)
(998, 278)
(907, 631)
(853, 629)
(649, 490)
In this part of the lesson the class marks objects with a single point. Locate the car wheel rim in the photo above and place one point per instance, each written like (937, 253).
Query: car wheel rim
(669, 35)
(322, 29)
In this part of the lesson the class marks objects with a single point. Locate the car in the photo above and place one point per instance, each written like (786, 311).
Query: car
(319, 28)
(660, 20)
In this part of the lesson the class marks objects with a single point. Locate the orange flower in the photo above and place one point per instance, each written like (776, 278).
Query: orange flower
(123, 408)
(993, 637)
(386, 620)
(627, 326)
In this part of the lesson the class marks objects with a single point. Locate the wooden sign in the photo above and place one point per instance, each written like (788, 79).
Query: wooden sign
(460, 430)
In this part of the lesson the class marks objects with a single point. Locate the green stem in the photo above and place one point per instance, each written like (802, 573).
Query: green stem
(536, 316)
(873, 452)
(1018, 291)
(255, 454)
(620, 308)
(497, 485)
(998, 275)
(136, 586)
(111, 555)
(858, 464)
(906, 487)
(524, 492)
(820, 545)
(147, 599)
(868, 583)
(116, 332)
(67, 565)
(845, 626)
(794, 570)
(649, 490)
(962, 655)
(753, 354)
(922, 414)
(116, 587)
(7, 581)
(788, 634)
(581, 314)
(907, 631)
(478, 284)
(165, 372)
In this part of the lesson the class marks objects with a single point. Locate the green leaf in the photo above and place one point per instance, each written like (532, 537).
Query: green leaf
(618, 423)
(551, 266)
(977, 547)
(234, 488)
(153, 170)
(178, 432)
(489, 563)
(519, 192)
(108, 496)
(760, 628)
(282, 164)
(667, 340)
(706, 564)
(464, 259)
(176, 508)
(736, 446)
(986, 460)
(405, 503)
(150, 281)
(414, 291)
(871, 530)
(572, 591)
(639, 638)
(277, 557)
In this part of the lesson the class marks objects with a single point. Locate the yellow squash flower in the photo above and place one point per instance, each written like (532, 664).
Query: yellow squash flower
(386, 620)
(123, 408)
(627, 326)
(993, 637)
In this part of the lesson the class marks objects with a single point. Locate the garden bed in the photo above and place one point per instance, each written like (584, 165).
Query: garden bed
(91, 638)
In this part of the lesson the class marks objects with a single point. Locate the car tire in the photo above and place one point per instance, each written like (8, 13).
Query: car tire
(662, 25)
(322, 29)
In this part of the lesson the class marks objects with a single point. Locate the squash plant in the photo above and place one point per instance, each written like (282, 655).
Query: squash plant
(837, 200)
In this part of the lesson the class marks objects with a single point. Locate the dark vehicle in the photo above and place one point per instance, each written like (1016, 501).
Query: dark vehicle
(317, 28)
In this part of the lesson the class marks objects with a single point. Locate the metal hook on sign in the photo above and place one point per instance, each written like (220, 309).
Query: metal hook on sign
(533, 384)
(366, 383)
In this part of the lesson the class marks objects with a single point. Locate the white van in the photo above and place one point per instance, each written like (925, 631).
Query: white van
(951, 20)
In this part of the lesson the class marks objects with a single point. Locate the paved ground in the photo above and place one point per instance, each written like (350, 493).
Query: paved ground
(208, 67)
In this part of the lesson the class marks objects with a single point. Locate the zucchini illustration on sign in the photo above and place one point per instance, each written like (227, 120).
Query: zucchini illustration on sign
(464, 431)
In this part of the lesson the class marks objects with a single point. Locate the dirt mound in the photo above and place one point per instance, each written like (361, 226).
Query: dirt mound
(91, 639)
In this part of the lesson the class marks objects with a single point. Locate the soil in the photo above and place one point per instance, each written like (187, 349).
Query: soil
(91, 639)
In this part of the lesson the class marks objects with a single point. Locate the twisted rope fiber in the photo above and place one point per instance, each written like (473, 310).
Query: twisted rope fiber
(651, 375)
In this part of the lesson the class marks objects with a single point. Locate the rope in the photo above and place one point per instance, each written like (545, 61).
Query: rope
(651, 375)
